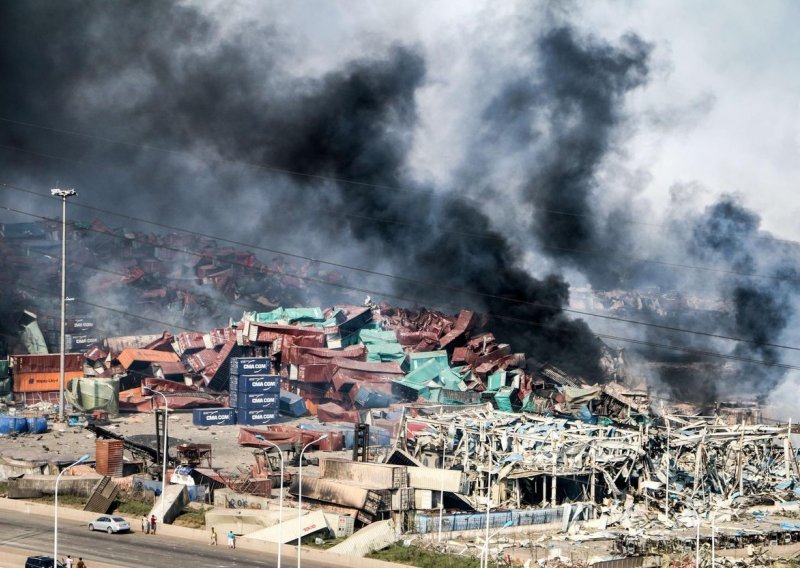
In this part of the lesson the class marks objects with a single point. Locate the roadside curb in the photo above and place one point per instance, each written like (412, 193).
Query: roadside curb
(197, 535)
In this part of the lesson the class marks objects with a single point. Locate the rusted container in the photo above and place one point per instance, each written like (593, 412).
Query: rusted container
(108, 457)
(376, 475)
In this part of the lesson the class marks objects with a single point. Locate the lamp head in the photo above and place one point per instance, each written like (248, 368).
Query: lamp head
(322, 437)
(83, 458)
(56, 192)
(259, 437)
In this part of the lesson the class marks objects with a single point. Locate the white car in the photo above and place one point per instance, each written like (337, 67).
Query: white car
(109, 524)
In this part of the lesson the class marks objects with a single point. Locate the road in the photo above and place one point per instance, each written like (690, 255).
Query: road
(35, 534)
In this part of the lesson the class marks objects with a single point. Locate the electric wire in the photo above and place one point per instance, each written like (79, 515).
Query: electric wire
(275, 169)
(688, 350)
(404, 279)
(495, 236)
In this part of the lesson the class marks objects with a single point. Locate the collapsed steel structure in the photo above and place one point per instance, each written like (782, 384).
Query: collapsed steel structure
(524, 459)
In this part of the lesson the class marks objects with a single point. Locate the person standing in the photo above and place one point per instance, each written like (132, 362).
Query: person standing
(68, 561)
(231, 540)
(213, 537)
(145, 525)
(80, 564)
(153, 524)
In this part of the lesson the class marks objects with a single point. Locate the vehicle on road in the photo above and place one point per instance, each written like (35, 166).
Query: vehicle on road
(109, 524)
(41, 562)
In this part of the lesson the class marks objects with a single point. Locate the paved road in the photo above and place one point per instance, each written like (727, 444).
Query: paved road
(35, 534)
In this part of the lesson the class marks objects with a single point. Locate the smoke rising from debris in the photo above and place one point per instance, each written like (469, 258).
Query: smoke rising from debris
(230, 94)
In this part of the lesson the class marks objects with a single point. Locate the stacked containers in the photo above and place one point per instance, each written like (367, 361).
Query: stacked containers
(253, 391)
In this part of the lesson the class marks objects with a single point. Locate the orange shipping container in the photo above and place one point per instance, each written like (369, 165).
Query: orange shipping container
(108, 457)
(40, 382)
(130, 356)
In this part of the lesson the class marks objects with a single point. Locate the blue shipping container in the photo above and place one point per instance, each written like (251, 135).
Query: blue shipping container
(257, 417)
(292, 404)
(255, 383)
(256, 401)
(242, 366)
(213, 416)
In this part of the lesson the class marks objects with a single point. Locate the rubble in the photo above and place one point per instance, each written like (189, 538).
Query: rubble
(451, 430)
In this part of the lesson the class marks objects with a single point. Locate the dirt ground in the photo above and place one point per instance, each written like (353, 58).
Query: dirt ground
(65, 443)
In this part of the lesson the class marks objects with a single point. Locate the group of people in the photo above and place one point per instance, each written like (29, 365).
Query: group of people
(68, 562)
(231, 538)
(149, 525)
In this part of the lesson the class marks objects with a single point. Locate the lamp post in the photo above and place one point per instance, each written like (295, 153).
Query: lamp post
(713, 536)
(485, 553)
(63, 194)
(441, 490)
(280, 505)
(82, 459)
(697, 541)
(507, 524)
(164, 457)
(300, 495)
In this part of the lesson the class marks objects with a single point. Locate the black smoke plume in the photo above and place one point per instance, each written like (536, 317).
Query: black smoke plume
(165, 76)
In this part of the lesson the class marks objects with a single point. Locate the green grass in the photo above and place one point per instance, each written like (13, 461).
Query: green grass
(414, 556)
(135, 504)
(191, 519)
(328, 542)
(70, 501)
(3, 488)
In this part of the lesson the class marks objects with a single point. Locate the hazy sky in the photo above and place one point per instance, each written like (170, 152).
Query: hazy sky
(720, 110)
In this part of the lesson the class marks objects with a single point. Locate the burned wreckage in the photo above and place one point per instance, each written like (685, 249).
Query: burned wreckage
(451, 430)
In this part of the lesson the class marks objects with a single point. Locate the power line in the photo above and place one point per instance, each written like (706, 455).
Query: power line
(275, 169)
(499, 238)
(688, 350)
(404, 279)
(108, 308)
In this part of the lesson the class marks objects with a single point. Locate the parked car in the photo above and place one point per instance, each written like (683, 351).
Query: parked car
(41, 562)
(109, 524)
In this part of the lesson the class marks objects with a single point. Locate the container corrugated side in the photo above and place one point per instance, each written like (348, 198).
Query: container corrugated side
(241, 366)
(213, 416)
(254, 383)
(256, 401)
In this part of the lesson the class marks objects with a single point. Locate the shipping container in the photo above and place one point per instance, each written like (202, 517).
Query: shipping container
(292, 404)
(80, 342)
(213, 416)
(256, 417)
(242, 366)
(42, 382)
(255, 401)
(376, 475)
(254, 384)
(108, 457)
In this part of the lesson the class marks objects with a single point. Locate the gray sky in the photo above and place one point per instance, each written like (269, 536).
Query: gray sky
(720, 110)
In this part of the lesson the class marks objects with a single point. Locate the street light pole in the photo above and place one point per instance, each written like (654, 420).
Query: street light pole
(82, 459)
(300, 494)
(697, 542)
(164, 457)
(485, 553)
(495, 533)
(63, 194)
(441, 490)
(280, 505)
(713, 534)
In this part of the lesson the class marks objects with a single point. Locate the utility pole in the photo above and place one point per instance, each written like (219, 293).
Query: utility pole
(63, 194)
